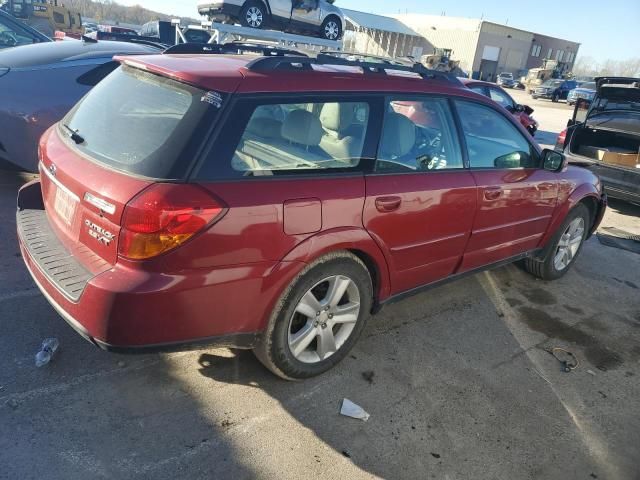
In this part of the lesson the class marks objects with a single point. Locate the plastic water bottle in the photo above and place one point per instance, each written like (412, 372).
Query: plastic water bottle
(49, 347)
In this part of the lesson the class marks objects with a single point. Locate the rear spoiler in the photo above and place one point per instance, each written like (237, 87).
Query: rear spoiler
(123, 37)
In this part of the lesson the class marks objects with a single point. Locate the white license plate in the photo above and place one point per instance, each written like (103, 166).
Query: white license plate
(64, 205)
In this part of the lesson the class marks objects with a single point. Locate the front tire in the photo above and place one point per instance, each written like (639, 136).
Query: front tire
(331, 29)
(254, 15)
(318, 319)
(555, 98)
(565, 246)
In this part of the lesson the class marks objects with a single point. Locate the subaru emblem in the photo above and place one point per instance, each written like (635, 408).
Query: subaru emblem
(52, 169)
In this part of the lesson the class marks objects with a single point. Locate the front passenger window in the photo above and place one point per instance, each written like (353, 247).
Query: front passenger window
(418, 135)
(492, 140)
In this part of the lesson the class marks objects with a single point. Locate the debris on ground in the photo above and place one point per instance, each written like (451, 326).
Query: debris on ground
(435, 455)
(121, 364)
(48, 348)
(591, 372)
(368, 376)
(350, 409)
(346, 454)
(568, 361)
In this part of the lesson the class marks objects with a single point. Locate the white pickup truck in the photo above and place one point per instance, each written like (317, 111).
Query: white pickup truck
(316, 17)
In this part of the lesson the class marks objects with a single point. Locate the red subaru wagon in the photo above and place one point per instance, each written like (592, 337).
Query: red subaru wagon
(275, 202)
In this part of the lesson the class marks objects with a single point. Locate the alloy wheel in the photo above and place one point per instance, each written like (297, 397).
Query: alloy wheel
(569, 244)
(324, 319)
(331, 30)
(254, 17)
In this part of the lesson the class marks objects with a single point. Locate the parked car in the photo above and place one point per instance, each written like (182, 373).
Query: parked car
(604, 136)
(117, 29)
(586, 90)
(506, 80)
(14, 33)
(40, 83)
(274, 202)
(554, 90)
(315, 17)
(165, 32)
(498, 95)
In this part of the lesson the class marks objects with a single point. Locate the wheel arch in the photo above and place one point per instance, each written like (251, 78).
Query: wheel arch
(585, 194)
(356, 241)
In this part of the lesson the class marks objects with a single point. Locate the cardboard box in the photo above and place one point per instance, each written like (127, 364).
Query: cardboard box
(629, 160)
(611, 155)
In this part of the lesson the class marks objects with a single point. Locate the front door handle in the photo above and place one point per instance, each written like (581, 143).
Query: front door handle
(388, 204)
(492, 193)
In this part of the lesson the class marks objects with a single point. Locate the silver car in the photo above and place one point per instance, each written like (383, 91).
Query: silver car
(316, 17)
(40, 83)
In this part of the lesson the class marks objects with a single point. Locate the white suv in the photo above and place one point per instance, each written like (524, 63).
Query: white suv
(317, 17)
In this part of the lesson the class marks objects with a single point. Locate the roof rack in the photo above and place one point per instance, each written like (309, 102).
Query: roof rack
(364, 57)
(236, 48)
(267, 64)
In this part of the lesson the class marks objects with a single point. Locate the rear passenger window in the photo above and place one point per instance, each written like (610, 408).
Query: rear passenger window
(418, 135)
(301, 137)
(492, 140)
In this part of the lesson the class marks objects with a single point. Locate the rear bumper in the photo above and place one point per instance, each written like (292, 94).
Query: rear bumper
(130, 309)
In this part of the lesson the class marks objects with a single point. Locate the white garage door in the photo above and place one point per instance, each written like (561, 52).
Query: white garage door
(491, 53)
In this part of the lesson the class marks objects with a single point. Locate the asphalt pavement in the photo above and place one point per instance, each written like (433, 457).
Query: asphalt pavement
(459, 383)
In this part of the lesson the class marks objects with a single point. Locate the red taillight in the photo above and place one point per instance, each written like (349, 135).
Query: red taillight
(562, 137)
(163, 217)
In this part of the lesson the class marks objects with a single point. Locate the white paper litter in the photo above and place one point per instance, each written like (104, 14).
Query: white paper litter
(350, 409)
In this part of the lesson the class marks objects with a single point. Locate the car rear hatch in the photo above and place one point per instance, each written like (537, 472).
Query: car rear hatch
(134, 130)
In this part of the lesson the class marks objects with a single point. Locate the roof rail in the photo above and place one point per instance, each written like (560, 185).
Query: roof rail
(232, 48)
(364, 57)
(267, 64)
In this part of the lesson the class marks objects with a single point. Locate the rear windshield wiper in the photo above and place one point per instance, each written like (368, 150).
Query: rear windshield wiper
(75, 136)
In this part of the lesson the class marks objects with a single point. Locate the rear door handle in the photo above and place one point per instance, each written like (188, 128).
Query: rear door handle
(388, 204)
(492, 193)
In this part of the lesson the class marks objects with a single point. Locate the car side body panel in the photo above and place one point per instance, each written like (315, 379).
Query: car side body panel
(514, 210)
(575, 185)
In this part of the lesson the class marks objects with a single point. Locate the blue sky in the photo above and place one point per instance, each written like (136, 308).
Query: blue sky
(607, 29)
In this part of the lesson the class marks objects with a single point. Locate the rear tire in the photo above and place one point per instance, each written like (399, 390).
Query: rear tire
(564, 247)
(318, 318)
(331, 29)
(254, 15)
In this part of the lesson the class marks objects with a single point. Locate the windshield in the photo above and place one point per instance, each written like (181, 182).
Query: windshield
(506, 75)
(12, 34)
(552, 83)
(153, 119)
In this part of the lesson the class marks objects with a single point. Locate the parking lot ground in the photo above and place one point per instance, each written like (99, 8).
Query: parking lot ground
(459, 384)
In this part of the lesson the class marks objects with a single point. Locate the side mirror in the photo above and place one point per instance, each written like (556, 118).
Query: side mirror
(553, 161)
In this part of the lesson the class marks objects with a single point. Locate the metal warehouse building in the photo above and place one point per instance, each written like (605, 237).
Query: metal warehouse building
(485, 49)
